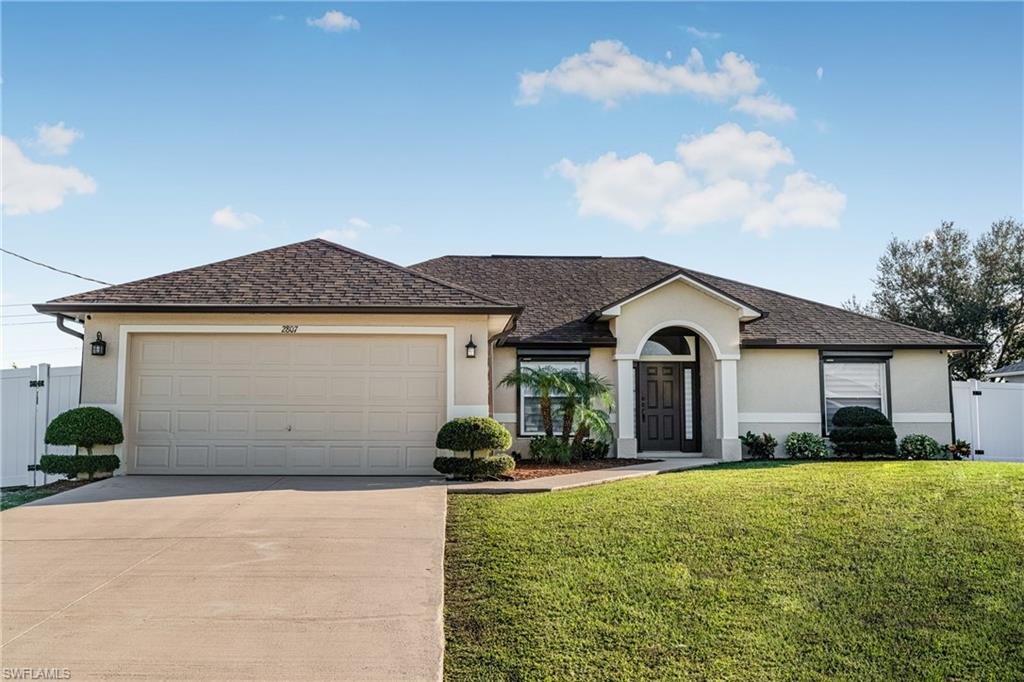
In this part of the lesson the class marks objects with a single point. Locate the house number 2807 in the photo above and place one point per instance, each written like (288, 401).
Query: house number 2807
(289, 328)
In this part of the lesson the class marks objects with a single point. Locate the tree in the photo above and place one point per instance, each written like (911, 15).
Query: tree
(947, 284)
(542, 380)
(581, 391)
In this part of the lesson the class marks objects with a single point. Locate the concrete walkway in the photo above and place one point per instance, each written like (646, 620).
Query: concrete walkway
(228, 578)
(583, 478)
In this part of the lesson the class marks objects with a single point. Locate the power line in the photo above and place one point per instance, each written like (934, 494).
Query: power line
(22, 324)
(50, 267)
(7, 317)
(15, 305)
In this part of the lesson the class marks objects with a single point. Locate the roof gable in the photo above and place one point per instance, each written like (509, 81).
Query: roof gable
(315, 274)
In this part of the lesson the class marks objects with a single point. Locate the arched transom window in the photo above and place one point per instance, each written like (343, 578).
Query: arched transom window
(671, 343)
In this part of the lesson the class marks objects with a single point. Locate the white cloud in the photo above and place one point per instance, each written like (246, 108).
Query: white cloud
(353, 229)
(730, 151)
(30, 187)
(231, 219)
(608, 72)
(334, 21)
(56, 139)
(820, 72)
(668, 55)
(803, 202)
(765, 107)
(630, 190)
(703, 35)
(719, 177)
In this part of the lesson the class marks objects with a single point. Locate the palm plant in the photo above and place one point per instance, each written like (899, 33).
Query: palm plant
(590, 420)
(543, 381)
(582, 391)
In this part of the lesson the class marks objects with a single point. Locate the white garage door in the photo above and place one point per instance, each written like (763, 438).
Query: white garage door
(273, 404)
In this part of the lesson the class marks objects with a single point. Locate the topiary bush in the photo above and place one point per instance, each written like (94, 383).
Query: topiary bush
(550, 450)
(588, 449)
(759, 447)
(73, 465)
(85, 427)
(862, 432)
(806, 445)
(920, 446)
(479, 467)
(472, 434)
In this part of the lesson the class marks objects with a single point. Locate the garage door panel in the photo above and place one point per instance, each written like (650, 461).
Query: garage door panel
(298, 404)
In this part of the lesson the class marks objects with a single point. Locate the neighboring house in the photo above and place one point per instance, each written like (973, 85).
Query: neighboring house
(1011, 374)
(314, 358)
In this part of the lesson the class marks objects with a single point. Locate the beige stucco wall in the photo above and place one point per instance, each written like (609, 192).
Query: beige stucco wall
(680, 303)
(99, 374)
(779, 392)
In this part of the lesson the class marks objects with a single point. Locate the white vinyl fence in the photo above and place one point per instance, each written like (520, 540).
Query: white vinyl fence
(991, 417)
(29, 399)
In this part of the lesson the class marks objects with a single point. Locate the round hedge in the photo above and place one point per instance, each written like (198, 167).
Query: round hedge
(85, 427)
(468, 434)
(806, 445)
(73, 465)
(480, 467)
(920, 446)
(859, 416)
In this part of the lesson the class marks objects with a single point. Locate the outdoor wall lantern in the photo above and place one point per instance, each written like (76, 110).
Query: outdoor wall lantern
(470, 348)
(99, 346)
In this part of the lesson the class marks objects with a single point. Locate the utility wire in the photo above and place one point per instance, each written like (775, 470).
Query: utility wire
(22, 324)
(50, 267)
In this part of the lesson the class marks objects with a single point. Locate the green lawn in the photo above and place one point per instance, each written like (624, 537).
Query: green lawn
(17, 497)
(812, 571)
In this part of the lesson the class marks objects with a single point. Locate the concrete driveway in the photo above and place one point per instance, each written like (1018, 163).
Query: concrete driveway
(223, 577)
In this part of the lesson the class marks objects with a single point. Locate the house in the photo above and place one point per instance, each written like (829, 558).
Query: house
(1011, 374)
(313, 358)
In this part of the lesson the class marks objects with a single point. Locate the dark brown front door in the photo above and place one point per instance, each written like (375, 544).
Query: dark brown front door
(668, 405)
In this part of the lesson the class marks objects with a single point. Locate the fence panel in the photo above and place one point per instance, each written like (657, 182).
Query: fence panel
(990, 416)
(25, 410)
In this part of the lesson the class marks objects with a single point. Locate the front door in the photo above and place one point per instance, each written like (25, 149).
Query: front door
(668, 407)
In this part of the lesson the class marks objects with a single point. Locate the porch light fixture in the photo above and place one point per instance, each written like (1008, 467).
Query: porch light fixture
(99, 346)
(470, 348)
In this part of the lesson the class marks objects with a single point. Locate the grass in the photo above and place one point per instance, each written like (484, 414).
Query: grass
(15, 497)
(795, 571)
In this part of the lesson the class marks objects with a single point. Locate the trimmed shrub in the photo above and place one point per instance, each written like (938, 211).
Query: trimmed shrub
(862, 432)
(859, 416)
(85, 427)
(806, 445)
(759, 447)
(469, 434)
(958, 449)
(550, 450)
(589, 449)
(920, 446)
(72, 465)
(479, 467)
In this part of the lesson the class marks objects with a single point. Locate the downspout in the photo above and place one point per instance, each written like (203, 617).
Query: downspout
(67, 330)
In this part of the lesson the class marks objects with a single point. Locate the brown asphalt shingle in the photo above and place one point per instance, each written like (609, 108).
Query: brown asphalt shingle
(559, 294)
(314, 273)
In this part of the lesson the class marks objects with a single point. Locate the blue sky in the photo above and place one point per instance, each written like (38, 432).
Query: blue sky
(196, 132)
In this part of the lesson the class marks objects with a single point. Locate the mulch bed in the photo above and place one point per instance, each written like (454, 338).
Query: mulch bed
(528, 468)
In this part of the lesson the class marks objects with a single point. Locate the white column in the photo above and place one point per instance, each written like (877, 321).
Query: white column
(728, 409)
(626, 410)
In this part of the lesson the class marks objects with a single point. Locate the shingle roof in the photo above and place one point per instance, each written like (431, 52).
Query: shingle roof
(1012, 368)
(315, 274)
(560, 294)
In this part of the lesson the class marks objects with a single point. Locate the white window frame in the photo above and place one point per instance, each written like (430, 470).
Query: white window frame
(539, 361)
(885, 397)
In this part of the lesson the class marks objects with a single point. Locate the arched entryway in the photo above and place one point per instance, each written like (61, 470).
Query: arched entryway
(668, 415)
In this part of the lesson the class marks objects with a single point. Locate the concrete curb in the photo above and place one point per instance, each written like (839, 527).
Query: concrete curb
(579, 480)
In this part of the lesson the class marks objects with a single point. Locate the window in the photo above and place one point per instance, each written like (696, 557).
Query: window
(861, 383)
(530, 423)
(673, 342)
